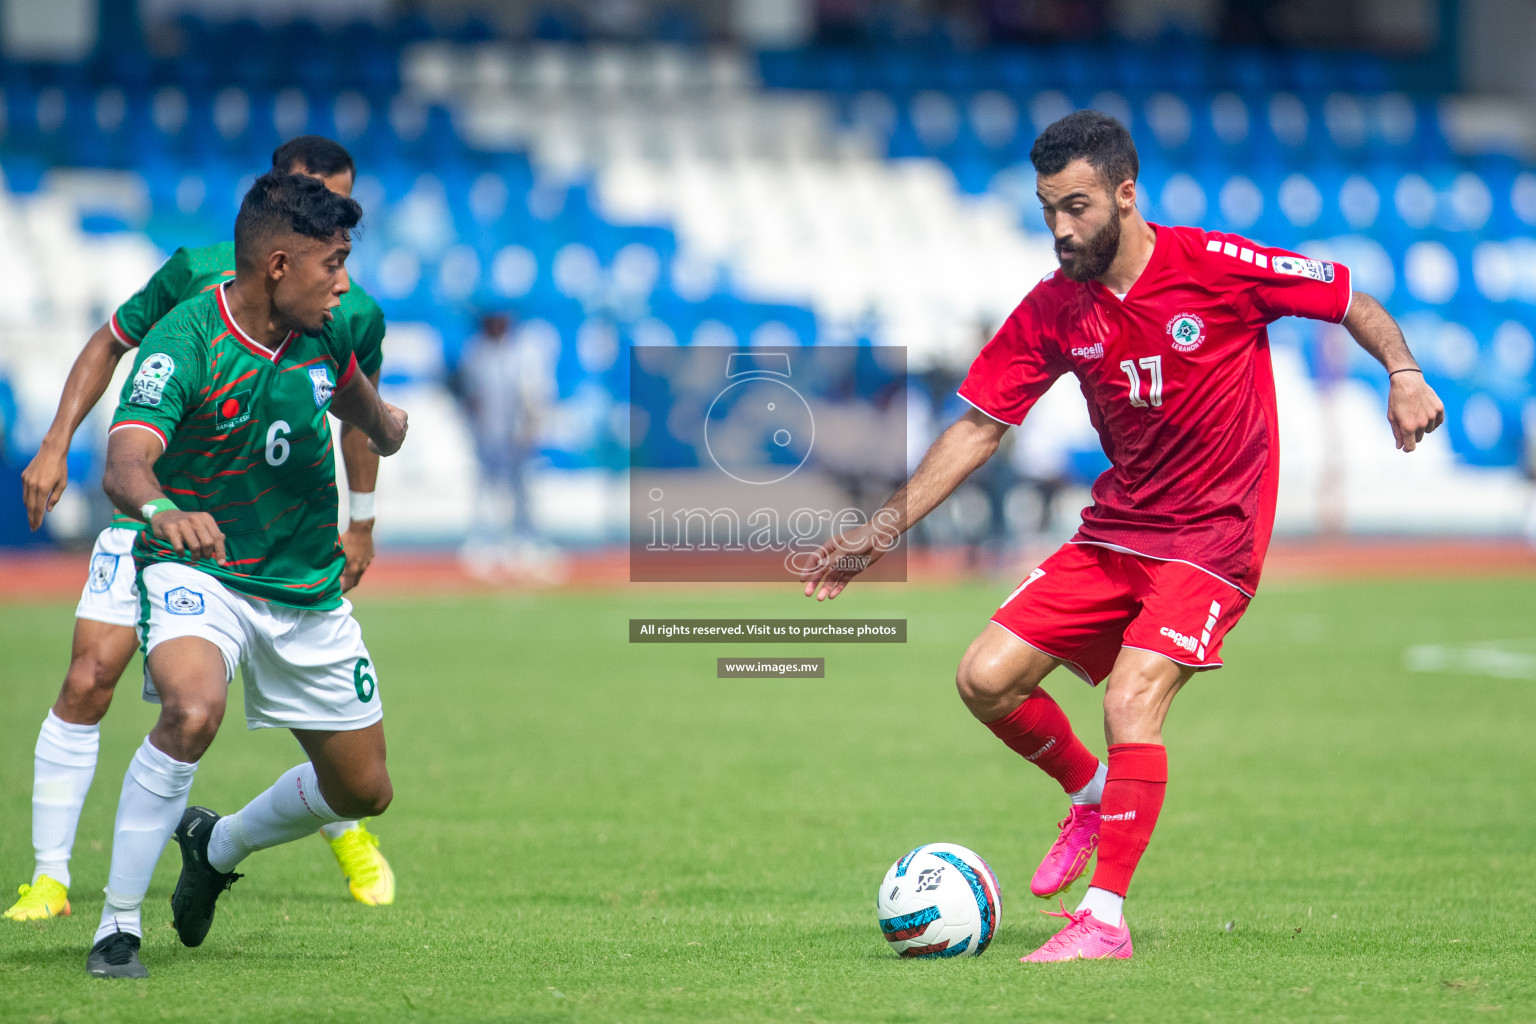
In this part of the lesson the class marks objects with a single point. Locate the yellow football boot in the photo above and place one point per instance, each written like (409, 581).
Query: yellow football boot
(39, 901)
(368, 874)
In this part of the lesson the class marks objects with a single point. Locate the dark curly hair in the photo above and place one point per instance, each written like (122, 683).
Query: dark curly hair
(316, 154)
(280, 203)
(1091, 135)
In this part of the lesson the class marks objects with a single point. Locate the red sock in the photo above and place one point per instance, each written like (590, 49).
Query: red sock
(1133, 796)
(1038, 731)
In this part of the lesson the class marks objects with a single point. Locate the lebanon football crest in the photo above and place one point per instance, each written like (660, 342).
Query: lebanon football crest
(1187, 331)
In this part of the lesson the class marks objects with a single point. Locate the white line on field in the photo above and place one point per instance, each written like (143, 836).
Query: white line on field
(1471, 659)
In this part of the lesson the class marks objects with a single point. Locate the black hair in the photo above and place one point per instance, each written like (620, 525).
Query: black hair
(1089, 134)
(280, 203)
(314, 153)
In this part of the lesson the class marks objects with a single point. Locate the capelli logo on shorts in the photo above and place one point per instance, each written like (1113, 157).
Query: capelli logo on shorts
(1189, 643)
(183, 601)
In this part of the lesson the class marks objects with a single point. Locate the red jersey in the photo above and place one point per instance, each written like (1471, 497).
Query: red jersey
(1179, 387)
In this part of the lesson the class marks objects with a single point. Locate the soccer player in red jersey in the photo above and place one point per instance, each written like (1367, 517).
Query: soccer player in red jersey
(1164, 327)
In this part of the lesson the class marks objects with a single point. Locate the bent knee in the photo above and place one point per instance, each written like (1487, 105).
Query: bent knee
(986, 682)
(194, 722)
(366, 797)
(88, 687)
(88, 673)
(1131, 691)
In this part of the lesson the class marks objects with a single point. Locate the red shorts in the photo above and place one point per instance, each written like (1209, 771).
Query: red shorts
(1086, 602)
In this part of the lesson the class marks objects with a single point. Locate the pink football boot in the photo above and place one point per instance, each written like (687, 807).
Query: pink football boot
(1084, 938)
(1069, 854)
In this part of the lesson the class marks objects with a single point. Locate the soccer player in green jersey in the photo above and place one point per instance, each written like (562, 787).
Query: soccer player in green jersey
(105, 639)
(221, 444)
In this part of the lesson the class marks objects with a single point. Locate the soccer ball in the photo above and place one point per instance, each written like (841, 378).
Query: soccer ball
(940, 900)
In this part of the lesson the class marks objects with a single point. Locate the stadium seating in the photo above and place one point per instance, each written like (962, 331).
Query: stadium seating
(669, 194)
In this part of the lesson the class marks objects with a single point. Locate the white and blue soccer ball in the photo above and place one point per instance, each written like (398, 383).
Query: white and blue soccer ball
(940, 900)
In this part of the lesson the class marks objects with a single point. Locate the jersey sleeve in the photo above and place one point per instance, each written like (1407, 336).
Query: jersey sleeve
(1267, 284)
(1016, 367)
(368, 337)
(159, 296)
(164, 387)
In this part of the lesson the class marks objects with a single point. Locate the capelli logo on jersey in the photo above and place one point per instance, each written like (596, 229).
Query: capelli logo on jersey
(1094, 351)
(1187, 331)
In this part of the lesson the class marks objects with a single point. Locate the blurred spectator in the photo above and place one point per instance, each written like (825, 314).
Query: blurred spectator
(506, 382)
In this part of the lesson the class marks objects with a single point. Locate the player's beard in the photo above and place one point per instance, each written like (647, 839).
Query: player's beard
(1092, 258)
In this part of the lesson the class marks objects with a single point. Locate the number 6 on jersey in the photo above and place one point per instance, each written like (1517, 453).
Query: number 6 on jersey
(277, 445)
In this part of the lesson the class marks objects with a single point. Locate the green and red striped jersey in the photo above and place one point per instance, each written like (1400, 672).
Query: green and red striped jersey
(190, 272)
(246, 440)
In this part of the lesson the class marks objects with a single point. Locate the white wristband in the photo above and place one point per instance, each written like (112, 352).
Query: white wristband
(360, 506)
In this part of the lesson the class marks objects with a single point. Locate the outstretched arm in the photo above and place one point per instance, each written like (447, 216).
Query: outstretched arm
(46, 476)
(130, 482)
(362, 464)
(1413, 408)
(359, 404)
(955, 455)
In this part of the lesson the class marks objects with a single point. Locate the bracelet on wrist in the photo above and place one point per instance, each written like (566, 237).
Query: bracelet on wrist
(360, 506)
(1406, 369)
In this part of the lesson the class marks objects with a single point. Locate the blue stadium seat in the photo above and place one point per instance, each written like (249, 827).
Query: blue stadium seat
(1336, 124)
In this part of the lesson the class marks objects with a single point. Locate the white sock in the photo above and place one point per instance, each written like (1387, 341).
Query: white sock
(291, 809)
(1104, 904)
(62, 766)
(1092, 793)
(154, 797)
(336, 828)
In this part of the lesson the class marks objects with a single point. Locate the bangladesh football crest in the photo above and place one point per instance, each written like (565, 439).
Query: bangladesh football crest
(320, 377)
(149, 382)
(183, 601)
(1187, 331)
(103, 572)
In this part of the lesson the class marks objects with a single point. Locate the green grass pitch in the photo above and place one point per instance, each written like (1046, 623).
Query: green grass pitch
(585, 830)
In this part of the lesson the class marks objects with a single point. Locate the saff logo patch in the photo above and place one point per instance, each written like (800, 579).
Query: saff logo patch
(1298, 266)
(232, 410)
(150, 380)
(183, 601)
(103, 572)
(1187, 331)
(320, 377)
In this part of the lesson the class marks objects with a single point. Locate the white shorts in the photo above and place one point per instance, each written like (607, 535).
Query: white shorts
(110, 594)
(303, 668)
